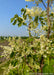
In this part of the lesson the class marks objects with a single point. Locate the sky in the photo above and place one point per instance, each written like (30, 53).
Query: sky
(8, 8)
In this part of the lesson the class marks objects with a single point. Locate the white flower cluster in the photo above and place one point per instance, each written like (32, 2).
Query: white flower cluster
(34, 11)
(24, 50)
(7, 51)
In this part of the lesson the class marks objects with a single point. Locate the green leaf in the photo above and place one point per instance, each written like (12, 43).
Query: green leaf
(12, 19)
(22, 10)
(19, 24)
(49, 68)
(15, 16)
(20, 68)
(13, 72)
(41, 21)
(20, 19)
(52, 62)
(15, 21)
(30, 40)
(36, 19)
(12, 54)
(51, 14)
(46, 61)
(24, 16)
(24, 23)
(14, 62)
(29, 16)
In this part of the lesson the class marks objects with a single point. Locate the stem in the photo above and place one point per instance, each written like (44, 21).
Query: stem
(48, 19)
(41, 64)
(29, 65)
(43, 3)
(29, 30)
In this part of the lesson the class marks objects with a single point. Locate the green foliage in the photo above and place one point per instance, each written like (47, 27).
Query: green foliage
(31, 54)
(14, 62)
(25, 57)
(49, 66)
(36, 19)
(17, 20)
(30, 40)
(12, 54)
(13, 72)
(22, 10)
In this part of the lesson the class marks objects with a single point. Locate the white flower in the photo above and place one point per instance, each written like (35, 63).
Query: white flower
(47, 48)
(34, 11)
(27, 70)
(48, 52)
(41, 36)
(41, 52)
(32, 14)
(44, 56)
(27, 11)
(44, 27)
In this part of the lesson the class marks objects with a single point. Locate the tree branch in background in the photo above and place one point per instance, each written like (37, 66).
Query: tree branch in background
(48, 19)
(43, 3)
(29, 30)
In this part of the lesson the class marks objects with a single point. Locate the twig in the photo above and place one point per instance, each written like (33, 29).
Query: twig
(43, 3)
